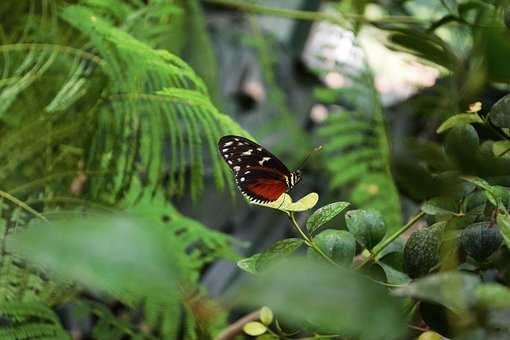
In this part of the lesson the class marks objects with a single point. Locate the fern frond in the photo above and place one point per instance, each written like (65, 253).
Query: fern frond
(30, 320)
(147, 113)
(356, 151)
(34, 331)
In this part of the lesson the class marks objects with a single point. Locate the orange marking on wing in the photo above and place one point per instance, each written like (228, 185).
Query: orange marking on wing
(268, 189)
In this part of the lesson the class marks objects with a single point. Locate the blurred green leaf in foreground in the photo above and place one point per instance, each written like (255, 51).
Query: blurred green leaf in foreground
(306, 292)
(118, 255)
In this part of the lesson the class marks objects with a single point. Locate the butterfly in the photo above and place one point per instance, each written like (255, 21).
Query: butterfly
(260, 175)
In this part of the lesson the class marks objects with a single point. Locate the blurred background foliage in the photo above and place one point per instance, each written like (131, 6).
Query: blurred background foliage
(119, 219)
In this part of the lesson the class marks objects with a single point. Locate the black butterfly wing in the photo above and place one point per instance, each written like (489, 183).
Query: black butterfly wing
(240, 152)
(260, 175)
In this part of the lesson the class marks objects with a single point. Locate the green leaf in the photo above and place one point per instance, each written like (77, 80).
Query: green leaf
(454, 290)
(367, 226)
(393, 275)
(339, 245)
(277, 251)
(266, 315)
(501, 148)
(324, 215)
(118, 255)
(491, 194)
(503, 221)
(440, 206)
(451, 6)
(462, 118)
(249, 264)
(311, 292)
(492, 295)
(500, 113)
(254, 328)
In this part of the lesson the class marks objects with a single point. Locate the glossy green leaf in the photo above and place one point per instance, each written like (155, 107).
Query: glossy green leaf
(462, 118)
(249, 264)
(440, 206)
(339, 245)
(488, 189)
(325, 214)
(278, 251)
(393, 275)
(454, 290)
(367, 226)
(500, 113)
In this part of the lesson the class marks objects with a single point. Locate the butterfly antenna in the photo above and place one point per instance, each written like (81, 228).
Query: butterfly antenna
(317, 149)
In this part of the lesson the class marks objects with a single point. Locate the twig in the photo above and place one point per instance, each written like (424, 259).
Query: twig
(21, 204)
(237, 327)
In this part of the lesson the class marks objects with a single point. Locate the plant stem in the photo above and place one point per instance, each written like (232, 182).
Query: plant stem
(21, 204)
(236, 328)
(307, 15)
(309, 242)
(378, 249)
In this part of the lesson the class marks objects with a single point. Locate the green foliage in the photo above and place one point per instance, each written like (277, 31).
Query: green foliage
(144, 110)
(339, 245)
(304, 291)
(367, 226)
(32, 320)
(480, 241)
(421, 253)
(356, 150)
(100, 115)
(98, 252)
(324, 215)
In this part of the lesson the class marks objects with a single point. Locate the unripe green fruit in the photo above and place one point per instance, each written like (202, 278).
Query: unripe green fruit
(421, 252)
(479, 241)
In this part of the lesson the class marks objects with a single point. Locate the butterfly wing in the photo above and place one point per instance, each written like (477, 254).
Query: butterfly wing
(242, 152)
(260, 175)
(261, 184)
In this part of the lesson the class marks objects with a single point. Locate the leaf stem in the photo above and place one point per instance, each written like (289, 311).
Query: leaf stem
(309, 242)
(21, 204)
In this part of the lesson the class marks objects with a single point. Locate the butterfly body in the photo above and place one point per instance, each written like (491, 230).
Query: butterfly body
(260, 176)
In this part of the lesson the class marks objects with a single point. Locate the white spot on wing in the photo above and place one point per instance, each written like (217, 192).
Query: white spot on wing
(228, 143)
(247, 153)
(229, 162)
(265, 159)
(237, 168)
(242, 179)
(224, 150)
(259, 149)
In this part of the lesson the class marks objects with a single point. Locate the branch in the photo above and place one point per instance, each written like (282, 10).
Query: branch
(237, 327)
